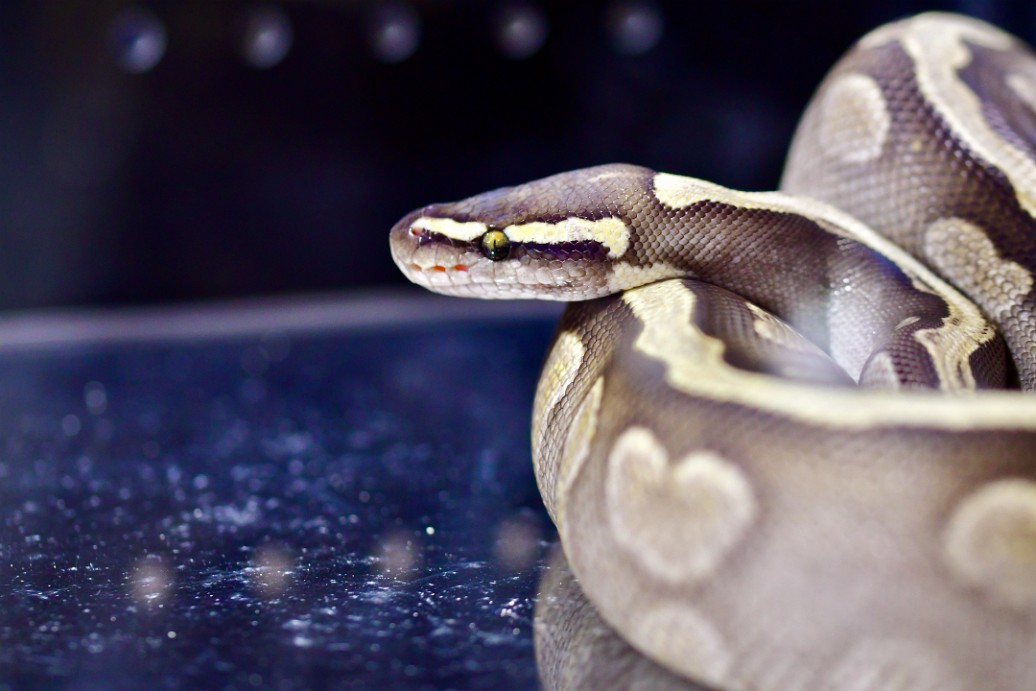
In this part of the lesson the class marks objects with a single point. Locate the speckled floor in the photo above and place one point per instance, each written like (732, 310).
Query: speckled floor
(298, 495)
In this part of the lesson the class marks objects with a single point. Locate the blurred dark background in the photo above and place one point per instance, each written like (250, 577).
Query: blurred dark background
(185, 150)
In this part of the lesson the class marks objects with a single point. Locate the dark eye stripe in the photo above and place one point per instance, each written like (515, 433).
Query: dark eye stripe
(586, 250)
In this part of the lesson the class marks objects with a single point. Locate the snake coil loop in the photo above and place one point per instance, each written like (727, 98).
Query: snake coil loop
(767, 429)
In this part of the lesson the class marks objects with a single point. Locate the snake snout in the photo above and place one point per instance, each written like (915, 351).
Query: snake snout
(402, 241)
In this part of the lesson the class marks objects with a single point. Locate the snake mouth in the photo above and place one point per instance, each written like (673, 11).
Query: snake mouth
(436, 262)
(439, 268)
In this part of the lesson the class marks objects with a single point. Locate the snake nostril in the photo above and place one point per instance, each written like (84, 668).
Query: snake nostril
(422, 236)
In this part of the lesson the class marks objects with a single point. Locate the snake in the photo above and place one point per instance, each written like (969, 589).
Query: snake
(788, 438)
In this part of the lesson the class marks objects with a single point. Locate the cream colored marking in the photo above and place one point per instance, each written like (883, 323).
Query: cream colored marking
(884, 664)
(978, 31)
(624, 276)
(854, 119)
(694, 364)
(577, 448)
(936, 43)
(558, 375)
(682, 638)
(447, 227)
(704, 501)
(949, 353)
(990, 542)
(909, 321)
(556, 379)
(610, 232)
(1024, 87)
(680, 191)
(560, 369)
(611, 175)
(963, 253)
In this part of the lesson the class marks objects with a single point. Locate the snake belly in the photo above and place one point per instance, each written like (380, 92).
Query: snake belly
(769, 436)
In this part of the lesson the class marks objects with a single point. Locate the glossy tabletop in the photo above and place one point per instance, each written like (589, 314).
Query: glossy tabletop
(329, 493)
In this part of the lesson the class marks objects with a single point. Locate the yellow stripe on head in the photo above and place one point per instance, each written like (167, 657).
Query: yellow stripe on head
(611, 233)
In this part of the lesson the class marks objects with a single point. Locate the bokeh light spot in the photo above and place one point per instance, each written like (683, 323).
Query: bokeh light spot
(636, 26)
(517, 544)
(138, 39)
(271, 570)
(521, 31)
(266, 36)
(394, 31)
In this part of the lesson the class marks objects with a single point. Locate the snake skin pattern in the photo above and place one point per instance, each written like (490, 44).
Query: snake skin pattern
(577, 651)
(764, 432)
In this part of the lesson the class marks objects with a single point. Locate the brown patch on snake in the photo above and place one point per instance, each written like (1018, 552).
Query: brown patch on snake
(1023, 85)
(1004, 84)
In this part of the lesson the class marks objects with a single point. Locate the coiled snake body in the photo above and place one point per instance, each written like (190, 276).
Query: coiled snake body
(736, 487)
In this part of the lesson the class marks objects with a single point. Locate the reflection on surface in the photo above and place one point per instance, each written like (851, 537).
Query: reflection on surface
(343, 529)
(575, 649)
(150, 581)
(518, 541)
(397, 554)
(271, 570)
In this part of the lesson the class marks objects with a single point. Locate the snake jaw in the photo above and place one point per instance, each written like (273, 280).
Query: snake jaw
(466, 273)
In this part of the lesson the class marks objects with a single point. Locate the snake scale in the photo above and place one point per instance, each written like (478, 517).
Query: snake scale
(767, 429)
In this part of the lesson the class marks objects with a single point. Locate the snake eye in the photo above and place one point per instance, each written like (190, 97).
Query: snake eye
(495, 245)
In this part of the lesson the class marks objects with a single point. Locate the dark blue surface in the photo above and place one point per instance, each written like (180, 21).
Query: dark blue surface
(351, 509)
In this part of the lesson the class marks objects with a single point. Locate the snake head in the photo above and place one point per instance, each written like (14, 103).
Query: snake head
(558, 238)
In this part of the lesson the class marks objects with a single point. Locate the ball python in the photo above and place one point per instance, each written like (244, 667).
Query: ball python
(769, 428)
